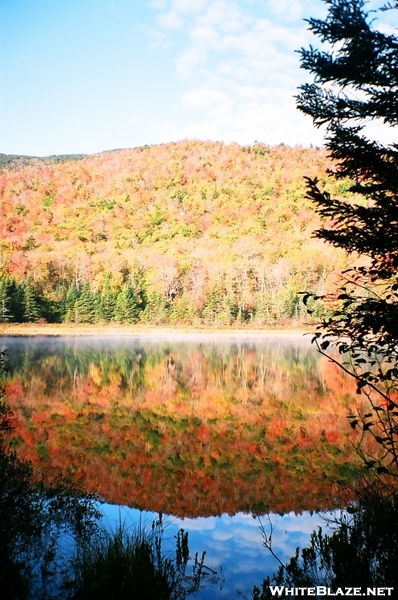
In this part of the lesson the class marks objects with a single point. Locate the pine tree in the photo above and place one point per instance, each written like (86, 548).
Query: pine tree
(355, 83)
(127, 305)
(31, 310)
(15, 292)
(5, 300)
(363, 71)
(106, 302)
(84, 305)
(70, 315)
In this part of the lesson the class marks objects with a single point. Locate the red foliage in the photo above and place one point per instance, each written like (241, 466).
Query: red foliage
(204, 433)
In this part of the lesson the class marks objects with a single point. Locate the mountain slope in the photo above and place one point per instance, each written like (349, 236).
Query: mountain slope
(198, 229)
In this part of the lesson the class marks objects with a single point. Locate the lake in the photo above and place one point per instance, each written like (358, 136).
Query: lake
(216, 431)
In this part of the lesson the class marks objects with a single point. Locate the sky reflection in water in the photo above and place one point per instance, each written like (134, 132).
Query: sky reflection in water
(234, 543)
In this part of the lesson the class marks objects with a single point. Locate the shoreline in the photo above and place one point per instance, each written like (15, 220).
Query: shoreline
(70, 330)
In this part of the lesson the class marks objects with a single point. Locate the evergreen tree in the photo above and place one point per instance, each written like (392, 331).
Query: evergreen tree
(56, 306)
(106, 302)
(356, 82)
(31, 310)
(127, 305)
(72, 295)
(5, 300)
(15, 293)
(84, 305)
(97, 306)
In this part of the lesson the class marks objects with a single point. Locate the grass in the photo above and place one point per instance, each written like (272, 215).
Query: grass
(132, 565)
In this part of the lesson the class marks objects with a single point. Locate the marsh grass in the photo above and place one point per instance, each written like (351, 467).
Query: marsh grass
(358, 548)
(127, 565)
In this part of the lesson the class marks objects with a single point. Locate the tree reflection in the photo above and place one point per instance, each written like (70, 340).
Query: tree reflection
(189, 429)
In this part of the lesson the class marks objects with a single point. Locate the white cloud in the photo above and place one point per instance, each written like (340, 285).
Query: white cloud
(204, 98)
(174, 17)
(159, 39)
(225, 68)
(238, 64)
(198, 524)
(232, 25)
(168, 132)
(253, 41)
(189, 6)
(217, 12)
(170, 20)
(290, 10)
(271, 122)
(187, 62)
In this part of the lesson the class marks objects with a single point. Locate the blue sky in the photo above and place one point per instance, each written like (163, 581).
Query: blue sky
(83, 76)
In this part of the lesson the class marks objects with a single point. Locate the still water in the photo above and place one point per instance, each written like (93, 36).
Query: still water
(214, 431)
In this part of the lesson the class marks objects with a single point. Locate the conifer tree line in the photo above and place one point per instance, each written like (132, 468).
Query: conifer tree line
(134, 300)
(23, 302)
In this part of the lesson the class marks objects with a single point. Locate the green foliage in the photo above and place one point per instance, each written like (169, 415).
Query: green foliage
(220, 304)
(71, 297)
(30, 243)
(127, 305)
(20, 302)
(157, 309)
(105, 302)
(24, 302)
(182, 311)
(5, 300)
(16, 161)
(30, 305)
(355, 81)
(219, 310)
(362, 315)
(84, 309)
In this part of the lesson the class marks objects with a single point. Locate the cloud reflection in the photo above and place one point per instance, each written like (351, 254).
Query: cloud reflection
(233, 543)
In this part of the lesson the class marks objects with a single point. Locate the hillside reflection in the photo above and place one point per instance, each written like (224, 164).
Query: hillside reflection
(186, 428)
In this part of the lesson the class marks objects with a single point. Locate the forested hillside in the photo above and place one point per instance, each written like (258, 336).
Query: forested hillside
(190, 232)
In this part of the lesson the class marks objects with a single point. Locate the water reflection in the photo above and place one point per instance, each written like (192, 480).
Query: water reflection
(233, 545)
(220, 427)
(198, 427)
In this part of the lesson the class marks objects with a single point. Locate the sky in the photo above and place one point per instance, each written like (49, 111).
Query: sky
(85, 76)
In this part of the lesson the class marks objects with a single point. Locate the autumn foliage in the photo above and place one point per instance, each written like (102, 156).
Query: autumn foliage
(188, 429)
(189, 232)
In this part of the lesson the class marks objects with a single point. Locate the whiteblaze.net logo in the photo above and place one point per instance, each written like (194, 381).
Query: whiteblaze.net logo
(318, 591)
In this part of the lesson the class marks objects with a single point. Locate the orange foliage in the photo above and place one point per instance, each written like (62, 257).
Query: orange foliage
(199, 432)
(173, 210)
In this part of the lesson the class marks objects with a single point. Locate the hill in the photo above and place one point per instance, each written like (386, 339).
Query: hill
(188, 232)
(16, 161)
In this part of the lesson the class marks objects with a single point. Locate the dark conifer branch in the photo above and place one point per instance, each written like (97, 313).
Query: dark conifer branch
(355, 83)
